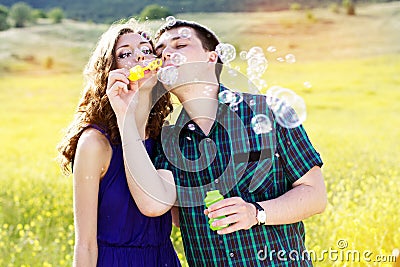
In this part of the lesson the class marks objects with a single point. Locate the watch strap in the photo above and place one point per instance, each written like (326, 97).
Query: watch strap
(258, 208)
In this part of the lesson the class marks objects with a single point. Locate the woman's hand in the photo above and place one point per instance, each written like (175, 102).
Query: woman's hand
(122, 92)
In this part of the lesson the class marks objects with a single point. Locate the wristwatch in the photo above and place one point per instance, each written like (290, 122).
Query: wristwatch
(261, 216)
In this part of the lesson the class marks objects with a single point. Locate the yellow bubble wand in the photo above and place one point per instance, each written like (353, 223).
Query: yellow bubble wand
(137, 72)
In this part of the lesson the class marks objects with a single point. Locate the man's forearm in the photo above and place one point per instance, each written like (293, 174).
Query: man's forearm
(306, 198)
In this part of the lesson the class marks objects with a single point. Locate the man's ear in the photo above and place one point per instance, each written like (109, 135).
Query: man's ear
(212, 56)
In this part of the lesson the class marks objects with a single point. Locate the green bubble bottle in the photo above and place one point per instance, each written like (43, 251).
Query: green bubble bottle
(213, 197)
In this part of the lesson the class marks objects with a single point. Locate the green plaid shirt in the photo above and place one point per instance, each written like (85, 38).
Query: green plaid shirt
(238, 162)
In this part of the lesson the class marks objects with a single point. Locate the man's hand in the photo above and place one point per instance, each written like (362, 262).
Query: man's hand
(240, 214)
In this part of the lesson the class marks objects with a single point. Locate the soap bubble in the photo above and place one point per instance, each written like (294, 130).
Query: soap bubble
(170, 20)
(177, 59)
(288, 107)
(261, 124)
(271, 98)
(226, 97)
(168, 75)
(255, 51)
(234, 107)
(226, 52)
(185, 33)
(145, 36)
(146, 63)
(238, 98)
(307, 84)
(271, 49)
(290, 58)
(256, 61)
(243, 55)
(257, 66)
(232, 98)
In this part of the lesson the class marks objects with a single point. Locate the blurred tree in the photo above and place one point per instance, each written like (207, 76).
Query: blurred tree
(38, 14)
(349, 6)
(295, 6)
(112, 10)
(56, 15)
(334, 7)
(49, 63)
(3, 18)
(21, 13)
(155, 12)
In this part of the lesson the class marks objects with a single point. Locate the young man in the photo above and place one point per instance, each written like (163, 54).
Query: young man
(211, 146)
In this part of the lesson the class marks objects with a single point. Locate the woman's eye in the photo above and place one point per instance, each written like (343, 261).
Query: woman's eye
(180, 46)
(146, 50)
(125, 55)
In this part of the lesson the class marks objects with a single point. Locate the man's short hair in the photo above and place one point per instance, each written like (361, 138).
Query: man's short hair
(207, 37)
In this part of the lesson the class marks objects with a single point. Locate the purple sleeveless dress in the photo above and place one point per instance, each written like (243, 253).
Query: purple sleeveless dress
(125, 236)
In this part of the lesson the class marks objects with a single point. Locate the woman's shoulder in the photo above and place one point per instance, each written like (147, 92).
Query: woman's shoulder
(93, 151)
(93, 139)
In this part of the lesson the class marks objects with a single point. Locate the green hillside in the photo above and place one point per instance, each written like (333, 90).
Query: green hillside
(326, 36)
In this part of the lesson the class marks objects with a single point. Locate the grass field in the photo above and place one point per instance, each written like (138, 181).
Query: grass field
(353, 64)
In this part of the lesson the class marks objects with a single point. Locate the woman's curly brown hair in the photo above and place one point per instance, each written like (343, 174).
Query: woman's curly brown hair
(94, 106)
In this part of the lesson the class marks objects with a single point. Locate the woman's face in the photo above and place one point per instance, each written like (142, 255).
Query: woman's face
(132, 49)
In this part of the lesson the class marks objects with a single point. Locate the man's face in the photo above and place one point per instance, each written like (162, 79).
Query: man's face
(188, 45)
(182, 43)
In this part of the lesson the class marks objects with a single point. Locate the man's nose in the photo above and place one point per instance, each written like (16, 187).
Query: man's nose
(166, 54)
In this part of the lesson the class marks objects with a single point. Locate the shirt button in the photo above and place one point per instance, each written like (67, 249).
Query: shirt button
(208, 140)
(216, 181)
(221, 242)
(231, 254)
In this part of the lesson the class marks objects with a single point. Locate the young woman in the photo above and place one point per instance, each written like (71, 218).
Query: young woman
(119, 219)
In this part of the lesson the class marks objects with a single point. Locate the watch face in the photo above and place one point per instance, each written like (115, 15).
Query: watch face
(261, 216)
